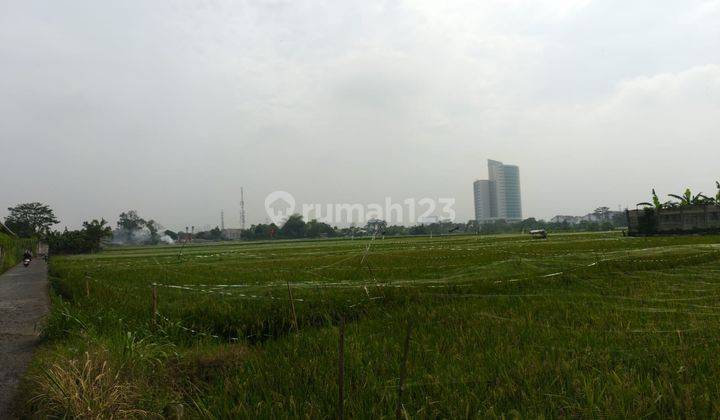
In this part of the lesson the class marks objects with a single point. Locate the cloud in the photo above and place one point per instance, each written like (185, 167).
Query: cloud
(144, 104)
(652, 131)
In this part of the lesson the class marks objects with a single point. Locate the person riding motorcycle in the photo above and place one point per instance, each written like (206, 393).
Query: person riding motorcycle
(27, 255)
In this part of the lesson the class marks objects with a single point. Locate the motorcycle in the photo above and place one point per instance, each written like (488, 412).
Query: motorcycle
(26, 262)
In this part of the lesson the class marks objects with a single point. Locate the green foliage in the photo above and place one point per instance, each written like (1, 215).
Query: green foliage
(682, 201)
(315, 229)
(656, 200)
(88, 239)
(686, 199)
(214, 234)
(30, 219)
(687, 196)
(294, 227)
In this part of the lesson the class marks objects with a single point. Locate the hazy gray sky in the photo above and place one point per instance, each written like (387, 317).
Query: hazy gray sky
(170, 107)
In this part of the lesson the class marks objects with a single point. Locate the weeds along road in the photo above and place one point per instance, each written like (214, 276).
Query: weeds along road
(23, 302)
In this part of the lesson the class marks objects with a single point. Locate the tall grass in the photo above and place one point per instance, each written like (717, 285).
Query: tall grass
(83, 388)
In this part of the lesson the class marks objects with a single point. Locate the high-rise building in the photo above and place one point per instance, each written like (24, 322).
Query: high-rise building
(499, 196)
(483, 208)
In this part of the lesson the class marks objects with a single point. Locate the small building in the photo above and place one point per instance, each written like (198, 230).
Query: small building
(232, 234)
(674, 220)
(571, 220)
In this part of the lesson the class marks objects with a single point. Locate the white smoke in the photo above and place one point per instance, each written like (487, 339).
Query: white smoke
(139, 237)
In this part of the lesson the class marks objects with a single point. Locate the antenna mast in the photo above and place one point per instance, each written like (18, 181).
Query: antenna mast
(242, 210)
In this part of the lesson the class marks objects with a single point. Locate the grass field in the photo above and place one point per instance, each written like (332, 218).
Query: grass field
(588, 325)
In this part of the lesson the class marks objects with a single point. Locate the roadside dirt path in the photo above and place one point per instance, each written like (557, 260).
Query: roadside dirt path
(23, 302)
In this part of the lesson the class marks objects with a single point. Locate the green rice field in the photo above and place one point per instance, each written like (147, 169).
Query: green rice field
(579, 325)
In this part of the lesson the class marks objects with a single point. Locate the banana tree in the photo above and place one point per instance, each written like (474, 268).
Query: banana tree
(685, 199)
(656, 200)
(703, 199)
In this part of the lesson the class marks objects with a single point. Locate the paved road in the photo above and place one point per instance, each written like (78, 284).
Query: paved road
(23, 302)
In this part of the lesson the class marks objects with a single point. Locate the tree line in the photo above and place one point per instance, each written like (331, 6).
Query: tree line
(35, 220)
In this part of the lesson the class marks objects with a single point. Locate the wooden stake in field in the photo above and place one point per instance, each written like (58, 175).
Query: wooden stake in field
(403, 372)
(154, 305)
(292, 306)
(87, 286)
(341, 368)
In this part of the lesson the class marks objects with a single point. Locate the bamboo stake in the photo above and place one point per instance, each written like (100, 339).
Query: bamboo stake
(292, 306)
(87, 286)
(403, 372)
(154, 305)
(341, 369)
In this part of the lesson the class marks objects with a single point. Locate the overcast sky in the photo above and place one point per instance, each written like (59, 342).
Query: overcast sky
(170, 107)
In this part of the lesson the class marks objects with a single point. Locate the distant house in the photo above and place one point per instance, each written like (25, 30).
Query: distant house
(232, 234)
(676, 220)
(590, 217)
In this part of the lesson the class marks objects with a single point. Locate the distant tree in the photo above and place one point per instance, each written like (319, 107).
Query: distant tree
(95, 232)
(153, 227)
(171, 234)
(530, 224)
(375, 226)
(129, 223)
(602, 213)
(619, 219)
(396, 230)
(30, 219)
(261, 231)
(88, 239)
(314, 229)
(216, 234)
(418, 230)
(294, 227)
